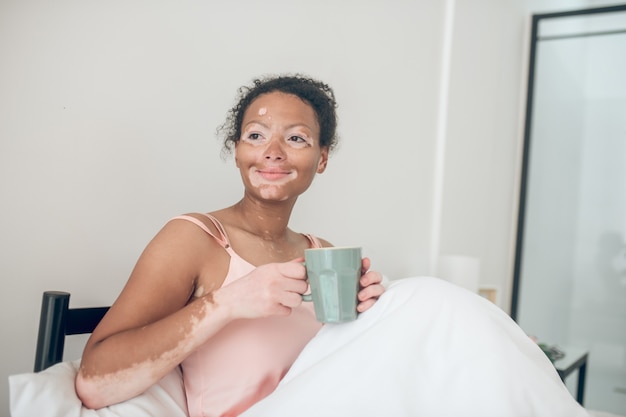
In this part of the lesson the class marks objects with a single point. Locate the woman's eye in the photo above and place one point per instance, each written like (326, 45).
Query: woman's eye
(297, 139)
(254, 136)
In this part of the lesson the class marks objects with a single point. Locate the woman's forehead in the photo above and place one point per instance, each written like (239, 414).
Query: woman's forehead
(279, 104)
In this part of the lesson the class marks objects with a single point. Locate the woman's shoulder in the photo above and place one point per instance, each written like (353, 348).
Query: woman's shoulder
(313, 241)
(324, 243)
(206, 222)
(195, 244)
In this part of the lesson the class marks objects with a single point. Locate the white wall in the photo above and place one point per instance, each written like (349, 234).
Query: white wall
(107, 119)
(484, 129)
(483, 134)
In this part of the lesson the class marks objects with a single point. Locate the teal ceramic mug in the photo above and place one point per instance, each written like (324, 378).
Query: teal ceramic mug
(333, 275)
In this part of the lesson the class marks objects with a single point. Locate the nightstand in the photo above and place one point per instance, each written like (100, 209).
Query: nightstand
(574, 359)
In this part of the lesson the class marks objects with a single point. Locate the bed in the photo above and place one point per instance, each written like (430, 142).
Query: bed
(411, 384)
(49, 390)
(58, 320)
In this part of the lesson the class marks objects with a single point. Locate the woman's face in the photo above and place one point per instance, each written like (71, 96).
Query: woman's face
(279, 153)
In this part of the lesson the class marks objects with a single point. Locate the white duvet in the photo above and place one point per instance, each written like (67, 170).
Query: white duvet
(427, 348)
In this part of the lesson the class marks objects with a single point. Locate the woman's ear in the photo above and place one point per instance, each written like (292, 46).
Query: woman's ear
(321, 166)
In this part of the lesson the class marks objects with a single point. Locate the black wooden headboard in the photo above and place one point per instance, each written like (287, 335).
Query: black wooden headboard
(58, 320)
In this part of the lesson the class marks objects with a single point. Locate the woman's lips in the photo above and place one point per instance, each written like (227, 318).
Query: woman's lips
(273, 174)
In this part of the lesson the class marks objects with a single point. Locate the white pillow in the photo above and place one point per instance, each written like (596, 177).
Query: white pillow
(51, 393)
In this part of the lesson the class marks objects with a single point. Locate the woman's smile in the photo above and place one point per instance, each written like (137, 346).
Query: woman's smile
(268, 177)
(273, 174)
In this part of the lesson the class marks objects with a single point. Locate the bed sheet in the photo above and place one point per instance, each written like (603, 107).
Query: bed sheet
(427, 348)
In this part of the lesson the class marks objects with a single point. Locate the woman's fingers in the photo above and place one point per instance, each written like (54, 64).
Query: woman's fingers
(371, 288)
(370, 278)
(365, 305)
(271, 289)
(365, 265)
(294, 269)
(291, 299)
(372, 291)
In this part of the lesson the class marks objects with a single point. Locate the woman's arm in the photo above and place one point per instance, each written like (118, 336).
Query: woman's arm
(149, 328)
(152, 326)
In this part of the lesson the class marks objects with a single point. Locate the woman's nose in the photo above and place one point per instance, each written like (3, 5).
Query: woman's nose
(274, 150)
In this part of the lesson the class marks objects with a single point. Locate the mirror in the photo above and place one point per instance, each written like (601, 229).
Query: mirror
(570, 269)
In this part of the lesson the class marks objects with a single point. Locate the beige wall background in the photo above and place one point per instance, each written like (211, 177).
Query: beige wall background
(108, 113)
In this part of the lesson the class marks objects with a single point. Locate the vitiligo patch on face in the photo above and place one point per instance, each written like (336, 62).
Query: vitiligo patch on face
(257, 180)
(270, 188)
(262, 111)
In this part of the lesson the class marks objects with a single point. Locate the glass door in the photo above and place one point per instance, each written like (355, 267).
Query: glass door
(570, 271)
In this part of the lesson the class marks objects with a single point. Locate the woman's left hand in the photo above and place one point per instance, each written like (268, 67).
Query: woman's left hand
(371, 286)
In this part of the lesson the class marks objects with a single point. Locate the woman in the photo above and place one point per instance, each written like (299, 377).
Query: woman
(220, 293)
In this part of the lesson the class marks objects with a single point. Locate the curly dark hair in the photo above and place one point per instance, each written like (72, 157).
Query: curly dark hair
(317, 94)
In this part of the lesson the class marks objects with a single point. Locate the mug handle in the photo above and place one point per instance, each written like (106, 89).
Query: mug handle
(306, 297)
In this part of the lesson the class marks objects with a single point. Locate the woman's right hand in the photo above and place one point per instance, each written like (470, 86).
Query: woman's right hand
(270, 290)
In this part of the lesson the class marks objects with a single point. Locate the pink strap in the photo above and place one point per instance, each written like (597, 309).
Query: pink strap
(314, 241)
(222, 239)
